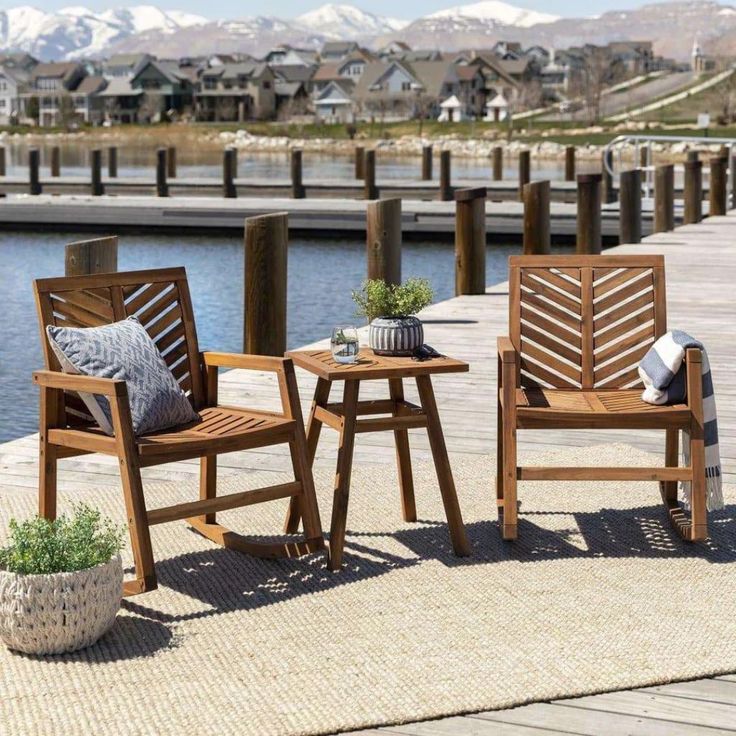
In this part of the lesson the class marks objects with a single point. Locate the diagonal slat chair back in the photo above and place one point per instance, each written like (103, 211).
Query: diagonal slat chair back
(159, 298)
(584, 322)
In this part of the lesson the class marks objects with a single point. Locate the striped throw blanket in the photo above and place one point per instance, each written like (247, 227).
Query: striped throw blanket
(662, 370)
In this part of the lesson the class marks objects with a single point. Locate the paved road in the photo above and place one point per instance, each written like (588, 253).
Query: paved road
(636, 96)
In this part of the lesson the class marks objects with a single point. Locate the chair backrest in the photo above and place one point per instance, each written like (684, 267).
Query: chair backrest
(159, 298)
(585, 321)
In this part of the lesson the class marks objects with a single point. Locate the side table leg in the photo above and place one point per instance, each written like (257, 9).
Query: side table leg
(403, 457)
(442, 467)
(314, 427)
(342, 476)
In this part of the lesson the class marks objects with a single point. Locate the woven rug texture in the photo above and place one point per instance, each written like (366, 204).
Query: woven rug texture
(597, 594)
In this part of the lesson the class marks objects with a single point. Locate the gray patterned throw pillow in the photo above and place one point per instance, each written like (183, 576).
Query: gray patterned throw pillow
(123, 351)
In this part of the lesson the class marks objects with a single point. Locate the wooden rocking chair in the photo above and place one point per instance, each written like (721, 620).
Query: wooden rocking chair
(160, 300)
(578, 327)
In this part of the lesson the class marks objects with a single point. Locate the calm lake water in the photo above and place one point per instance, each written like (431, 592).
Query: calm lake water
(140, 160)
(321, 275)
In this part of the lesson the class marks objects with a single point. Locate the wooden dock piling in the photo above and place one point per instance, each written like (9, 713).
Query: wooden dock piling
(717, 198)
(162, 186)
(171, 162)
(383, 240)
(229, 165)
(497, 156)
(34, 164)
(570, 163)
(370, 191)
(359, 162)
(537, 239)
(524, 171)
(85, 257)
(55, 161)
(266, 247)
(97, 188)
(470, 241)
(693, 191)
(2, 161)
(445, 192)
(426, 163)
(112, 162)
(629, 203)
(589, 214)
(297, 187)
(608, 193)
(664, 198)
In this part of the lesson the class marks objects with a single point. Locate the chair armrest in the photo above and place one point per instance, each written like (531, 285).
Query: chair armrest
(109, 387)
(244, 361)
(506, 351)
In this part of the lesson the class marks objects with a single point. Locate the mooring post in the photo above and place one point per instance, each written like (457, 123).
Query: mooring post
(97, 188)
(664, 198)
(383, 240)
(537, 239)
(112, 162)
(85, 257)
(470, 241)
(55, 161)
(524, 171)
(370, 191)
(229, 162)
(162, 186)
(497, 156)
(629, 206)
(297, 187)
(589, 214)
(445, 192)
(171, 162)
(426, 163)
(693, 192)
(608, 193)
(34, 163)
(266, 246)
(2, 160)
(717, 186)
(359, 162)
(570, 163)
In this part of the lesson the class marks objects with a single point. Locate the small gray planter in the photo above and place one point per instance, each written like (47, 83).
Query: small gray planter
(397, 336)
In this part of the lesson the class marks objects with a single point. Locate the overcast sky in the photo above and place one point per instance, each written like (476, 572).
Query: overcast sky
(408, 9)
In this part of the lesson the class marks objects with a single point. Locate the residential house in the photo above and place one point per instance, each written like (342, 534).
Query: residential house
(293, 85)
(236, 92)
(498, 85)
(48, 93)
(124, 65)
(121, 101)
(507, 50)
(167, 90)
(325, 74)
(635, 57)
(88, 105)
(334, 104)
(12, 80)
(337, 50)
(19, 60)
(393, 50)
(290, 56)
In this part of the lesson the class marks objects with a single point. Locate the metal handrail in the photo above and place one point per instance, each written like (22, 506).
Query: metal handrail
(636, 140)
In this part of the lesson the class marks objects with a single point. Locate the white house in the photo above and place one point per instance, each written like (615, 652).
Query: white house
(451, 111)
(10, 80)
(334, 105)
(497, 109)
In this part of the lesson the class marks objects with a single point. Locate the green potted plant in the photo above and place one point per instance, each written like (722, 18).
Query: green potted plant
(391, 312)
(61, 582)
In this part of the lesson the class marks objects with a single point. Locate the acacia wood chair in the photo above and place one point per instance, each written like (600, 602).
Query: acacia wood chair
(161, 301)
(578, 327)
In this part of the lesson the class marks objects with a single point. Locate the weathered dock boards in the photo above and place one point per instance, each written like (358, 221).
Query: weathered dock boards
(504, 220)
(701, 271)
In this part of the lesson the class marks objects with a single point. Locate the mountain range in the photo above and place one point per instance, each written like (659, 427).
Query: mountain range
(75, 32)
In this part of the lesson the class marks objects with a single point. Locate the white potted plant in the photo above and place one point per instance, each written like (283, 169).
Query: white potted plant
(61, 582)
(391, 312)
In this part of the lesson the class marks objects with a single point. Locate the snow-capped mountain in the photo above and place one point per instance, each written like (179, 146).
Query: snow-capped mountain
(78, 31)
(494, 13)
(347, 21)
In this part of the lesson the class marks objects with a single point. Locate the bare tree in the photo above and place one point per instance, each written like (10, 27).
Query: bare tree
(149, 107)
(227, 108)
(66, 112)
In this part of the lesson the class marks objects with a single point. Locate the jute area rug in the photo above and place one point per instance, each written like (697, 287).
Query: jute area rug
(598, 594)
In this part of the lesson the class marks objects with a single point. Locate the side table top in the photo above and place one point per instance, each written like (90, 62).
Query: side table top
(372, 366)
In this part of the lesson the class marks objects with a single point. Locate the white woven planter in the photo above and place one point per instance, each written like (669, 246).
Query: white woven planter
(395, 335)
(61, 612)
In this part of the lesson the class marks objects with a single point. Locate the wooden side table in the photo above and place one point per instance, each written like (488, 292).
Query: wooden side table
(402, 416)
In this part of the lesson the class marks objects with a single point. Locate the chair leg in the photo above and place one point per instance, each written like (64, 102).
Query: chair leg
(671, 460)
(208, 484)
(509, 516)
(698, 487)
